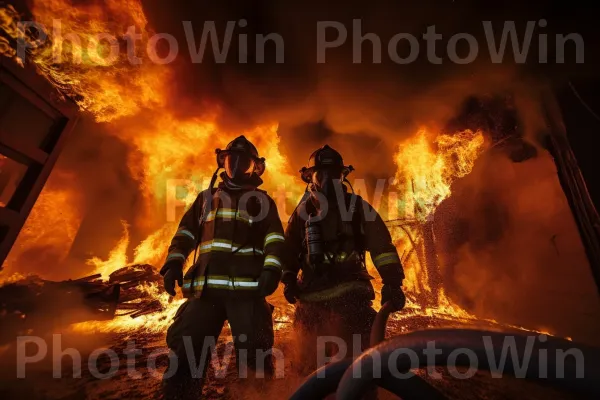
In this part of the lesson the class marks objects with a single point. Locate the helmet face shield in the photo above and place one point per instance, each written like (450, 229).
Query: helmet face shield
(325, 179)
(322, 177)
(238, 165)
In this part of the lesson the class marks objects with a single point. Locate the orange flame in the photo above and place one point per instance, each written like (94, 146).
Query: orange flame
(427, 166)
(425, 175)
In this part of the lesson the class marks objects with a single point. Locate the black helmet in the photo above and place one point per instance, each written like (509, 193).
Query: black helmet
(242, 144)
(243, 158)
(325, 158)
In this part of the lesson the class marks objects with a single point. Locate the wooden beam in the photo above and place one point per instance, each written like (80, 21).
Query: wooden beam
(25, 150)
(572, 182)
(40, 161)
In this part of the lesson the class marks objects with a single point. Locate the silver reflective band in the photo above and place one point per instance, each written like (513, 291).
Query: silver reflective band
(216, 244)
(273, 238)
(175, 255)
(220, 283)
(185, 232)
(272, 259)
(228, 213)
(229, 283)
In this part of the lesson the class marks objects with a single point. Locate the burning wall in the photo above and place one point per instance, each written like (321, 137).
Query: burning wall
(148, 125)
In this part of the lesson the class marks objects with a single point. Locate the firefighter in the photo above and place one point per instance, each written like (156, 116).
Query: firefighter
(237, 239)
(327, 237)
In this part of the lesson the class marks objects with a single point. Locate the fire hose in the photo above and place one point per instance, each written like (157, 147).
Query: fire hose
(580, 376)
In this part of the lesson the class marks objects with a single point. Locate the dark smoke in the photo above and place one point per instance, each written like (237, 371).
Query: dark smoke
(510, 249)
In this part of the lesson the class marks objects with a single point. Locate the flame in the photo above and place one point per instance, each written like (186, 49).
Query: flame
(101, 81)
(51, 227)
(117, 257)
(427, 165)
(151, 323)
(8, 24)
(425, 175)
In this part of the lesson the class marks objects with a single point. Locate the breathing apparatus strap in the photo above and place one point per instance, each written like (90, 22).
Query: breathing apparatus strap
(349, 184)
(357, 229)
(204, 213)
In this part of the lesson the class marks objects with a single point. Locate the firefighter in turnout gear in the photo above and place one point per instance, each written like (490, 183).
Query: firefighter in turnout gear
(236, 236)
(327, 237)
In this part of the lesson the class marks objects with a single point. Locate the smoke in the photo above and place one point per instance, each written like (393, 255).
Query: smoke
(359, 108)
(383, 99)
(510, 249)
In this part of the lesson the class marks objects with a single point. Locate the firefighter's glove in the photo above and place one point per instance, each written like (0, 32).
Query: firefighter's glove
(394, 294)
(291, 291)
(268, 282)
(172, 272)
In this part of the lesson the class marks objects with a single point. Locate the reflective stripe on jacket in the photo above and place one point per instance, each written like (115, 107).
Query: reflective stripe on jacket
(238, 234)
(347, 236)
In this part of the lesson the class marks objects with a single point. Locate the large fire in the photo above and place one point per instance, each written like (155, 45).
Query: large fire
(170, 153)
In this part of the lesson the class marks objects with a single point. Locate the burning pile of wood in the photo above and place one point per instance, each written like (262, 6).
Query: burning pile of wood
(35, 305)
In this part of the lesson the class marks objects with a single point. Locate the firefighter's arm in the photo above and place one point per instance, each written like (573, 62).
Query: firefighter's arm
(273, 249)
(185, 238)
(274, 246)
(293, 244)
(379, 243)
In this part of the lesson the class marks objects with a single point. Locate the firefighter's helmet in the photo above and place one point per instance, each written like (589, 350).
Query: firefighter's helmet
(325, 158)
(240, 157)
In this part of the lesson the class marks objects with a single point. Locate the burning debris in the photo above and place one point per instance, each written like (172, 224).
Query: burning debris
(33, 304)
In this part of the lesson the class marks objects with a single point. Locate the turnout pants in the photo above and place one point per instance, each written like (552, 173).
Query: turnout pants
(346, 320)
(197, 326)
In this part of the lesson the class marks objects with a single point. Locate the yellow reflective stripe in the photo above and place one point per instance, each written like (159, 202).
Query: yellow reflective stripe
(272, 261)
(210, 216)
(216, 244)
(385, 259)
(226, 245)
(273, 237)
(173, 256)
(222, 282)
(228, 213)
(247, 250)
(184, 232)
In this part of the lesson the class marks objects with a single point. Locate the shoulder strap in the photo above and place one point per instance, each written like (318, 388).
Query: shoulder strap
(357, 226)
(206, 208)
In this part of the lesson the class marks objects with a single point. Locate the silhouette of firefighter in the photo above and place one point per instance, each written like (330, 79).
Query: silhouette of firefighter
(327, 237)
(237, 237)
